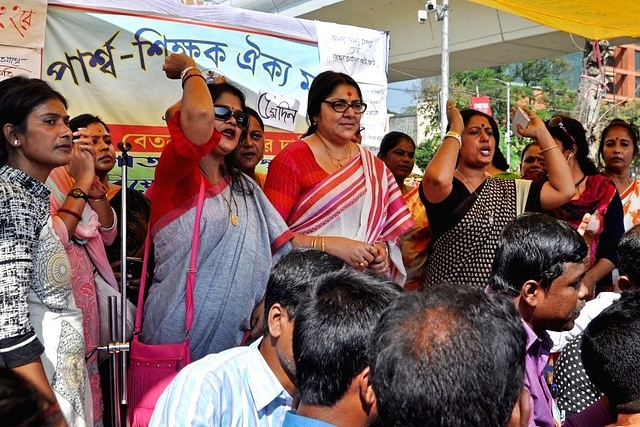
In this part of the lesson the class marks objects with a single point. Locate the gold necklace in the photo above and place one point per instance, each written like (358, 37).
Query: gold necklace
(467, 182)
(233, 218)
(336, 161)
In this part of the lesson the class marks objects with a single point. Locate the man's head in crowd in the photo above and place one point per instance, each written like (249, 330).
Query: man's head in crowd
(290, 283)
(611, 353)
(330, 344)
(628, 259)
(539, 264)
(451, 356)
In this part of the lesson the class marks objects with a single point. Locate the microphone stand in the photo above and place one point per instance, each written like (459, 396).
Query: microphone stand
(118, 346)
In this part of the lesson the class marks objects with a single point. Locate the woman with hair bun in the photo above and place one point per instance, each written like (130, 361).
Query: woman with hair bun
(595, 195)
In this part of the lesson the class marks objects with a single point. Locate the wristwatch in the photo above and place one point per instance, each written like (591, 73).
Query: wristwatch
(78, 194)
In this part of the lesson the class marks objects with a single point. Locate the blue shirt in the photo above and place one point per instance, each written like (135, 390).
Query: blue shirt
(291, 419)
(233, 388)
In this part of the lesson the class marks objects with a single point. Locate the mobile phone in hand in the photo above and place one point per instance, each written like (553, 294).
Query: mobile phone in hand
(520, 118)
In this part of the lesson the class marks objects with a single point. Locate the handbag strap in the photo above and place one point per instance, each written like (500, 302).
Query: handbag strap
(191, 273)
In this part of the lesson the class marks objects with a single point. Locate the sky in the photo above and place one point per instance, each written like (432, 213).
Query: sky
(397, 98)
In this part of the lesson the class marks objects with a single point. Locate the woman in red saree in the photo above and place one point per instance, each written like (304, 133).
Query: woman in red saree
(618, 148)
(596, 195)
(335, 195)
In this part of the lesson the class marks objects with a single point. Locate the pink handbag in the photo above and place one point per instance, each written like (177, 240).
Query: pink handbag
(153, 366)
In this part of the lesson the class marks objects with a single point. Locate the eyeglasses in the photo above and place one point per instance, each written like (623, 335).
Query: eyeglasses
(224, 113)
(556, 122)
(342, 106)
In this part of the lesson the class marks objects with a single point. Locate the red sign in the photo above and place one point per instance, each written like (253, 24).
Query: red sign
(481, 103)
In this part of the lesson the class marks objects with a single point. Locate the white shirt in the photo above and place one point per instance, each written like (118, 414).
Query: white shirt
(233, 388)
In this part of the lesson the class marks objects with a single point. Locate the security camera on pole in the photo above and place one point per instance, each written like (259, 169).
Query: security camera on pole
(442, 14)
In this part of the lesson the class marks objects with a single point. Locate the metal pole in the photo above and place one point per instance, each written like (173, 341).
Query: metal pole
(124, 148)
(444, 67)
(113, 363)
(507, 133)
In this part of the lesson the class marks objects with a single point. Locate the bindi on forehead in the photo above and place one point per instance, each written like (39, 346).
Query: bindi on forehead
(349, 93)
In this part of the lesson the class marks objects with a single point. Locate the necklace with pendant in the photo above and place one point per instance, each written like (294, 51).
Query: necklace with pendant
(233, 218)
(336, 161)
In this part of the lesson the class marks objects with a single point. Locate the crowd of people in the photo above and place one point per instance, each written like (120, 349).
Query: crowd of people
(329, 291)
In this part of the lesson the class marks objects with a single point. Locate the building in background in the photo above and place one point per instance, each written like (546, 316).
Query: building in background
(623, 74)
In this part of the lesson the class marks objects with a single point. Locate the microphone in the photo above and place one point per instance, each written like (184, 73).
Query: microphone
(124, 146)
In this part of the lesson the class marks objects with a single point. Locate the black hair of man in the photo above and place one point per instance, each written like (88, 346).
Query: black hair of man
(452, 356)
(332, 332)
(22, 405)
(292, 277)
(629, 254)
(534, 246)
(611, 353)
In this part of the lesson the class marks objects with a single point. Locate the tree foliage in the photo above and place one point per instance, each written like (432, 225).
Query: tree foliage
(541, 85)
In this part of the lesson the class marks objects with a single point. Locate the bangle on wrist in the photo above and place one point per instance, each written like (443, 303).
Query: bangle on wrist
(98, 198)
(547, 149)
(188, 76)
(76, 215)
(455, 135)
(184, 72)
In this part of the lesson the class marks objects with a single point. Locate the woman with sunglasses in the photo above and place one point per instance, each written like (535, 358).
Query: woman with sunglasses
(239, 228)
(334, 195)
(250, 150)
(41, 330)
(467, 208)
(618, 147)
(595, 195)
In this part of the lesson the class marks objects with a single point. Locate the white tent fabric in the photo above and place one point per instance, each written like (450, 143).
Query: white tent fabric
(224, 15)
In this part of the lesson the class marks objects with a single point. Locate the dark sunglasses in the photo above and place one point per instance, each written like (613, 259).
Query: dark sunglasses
(556, 122)
(224, 113)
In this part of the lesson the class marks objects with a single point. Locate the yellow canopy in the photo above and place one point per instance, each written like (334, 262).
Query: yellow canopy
(591, 19)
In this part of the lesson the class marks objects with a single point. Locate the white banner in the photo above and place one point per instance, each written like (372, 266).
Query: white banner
(363, 54)
(22, 23)
(22, 28)
(109, 63)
